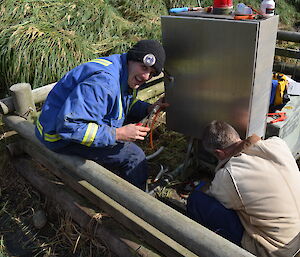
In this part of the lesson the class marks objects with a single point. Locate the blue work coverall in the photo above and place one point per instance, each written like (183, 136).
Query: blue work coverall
(83, 110)
(210, 213)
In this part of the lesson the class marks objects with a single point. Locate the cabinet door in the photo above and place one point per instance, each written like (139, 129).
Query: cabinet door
(213, 63)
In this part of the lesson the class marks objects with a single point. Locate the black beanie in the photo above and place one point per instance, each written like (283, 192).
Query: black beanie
(149, 52)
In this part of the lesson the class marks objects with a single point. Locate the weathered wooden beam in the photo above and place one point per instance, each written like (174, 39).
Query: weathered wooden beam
(151, 92)
(80, 212)
(290, 53)
(288, 36)
(287, 68)
(151, 235)
(185, 231)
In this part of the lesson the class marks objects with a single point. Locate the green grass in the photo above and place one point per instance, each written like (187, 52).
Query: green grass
(39, 52)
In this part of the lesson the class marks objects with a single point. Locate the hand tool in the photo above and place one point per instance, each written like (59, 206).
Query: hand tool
(185, 9)
(146, 122)
(277, 116)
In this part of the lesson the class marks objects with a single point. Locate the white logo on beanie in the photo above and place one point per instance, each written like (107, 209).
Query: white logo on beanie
(149, 60)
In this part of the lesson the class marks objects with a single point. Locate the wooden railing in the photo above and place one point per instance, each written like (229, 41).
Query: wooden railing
(168, 231)
(284, 67)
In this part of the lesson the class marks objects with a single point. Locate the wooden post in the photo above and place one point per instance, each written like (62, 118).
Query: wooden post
(23, 101)
(39, 95)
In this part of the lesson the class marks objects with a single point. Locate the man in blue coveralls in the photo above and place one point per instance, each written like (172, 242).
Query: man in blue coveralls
(84, 113)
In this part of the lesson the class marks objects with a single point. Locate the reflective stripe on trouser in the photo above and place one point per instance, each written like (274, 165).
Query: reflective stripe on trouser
(124, 159)
(46, 136)
(213, 215)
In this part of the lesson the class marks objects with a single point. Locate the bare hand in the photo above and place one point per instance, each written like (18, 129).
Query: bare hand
(131, 132)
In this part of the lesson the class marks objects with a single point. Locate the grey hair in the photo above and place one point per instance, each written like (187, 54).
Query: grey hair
(218, 135)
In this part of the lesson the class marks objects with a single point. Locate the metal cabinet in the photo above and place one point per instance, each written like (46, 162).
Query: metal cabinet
(218, 69)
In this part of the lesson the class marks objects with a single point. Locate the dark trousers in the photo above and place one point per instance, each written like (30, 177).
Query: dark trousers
(127, 160)
(213, 215)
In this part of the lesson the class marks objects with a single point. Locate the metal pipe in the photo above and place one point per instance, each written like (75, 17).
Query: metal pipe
(185, 231)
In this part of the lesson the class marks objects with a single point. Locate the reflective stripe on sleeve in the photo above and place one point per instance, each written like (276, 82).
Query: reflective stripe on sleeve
(90, 134)
(120, 108)
(102, 61)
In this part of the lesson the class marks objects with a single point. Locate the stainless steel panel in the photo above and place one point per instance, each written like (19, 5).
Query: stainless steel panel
(263, 75)
(213, 65)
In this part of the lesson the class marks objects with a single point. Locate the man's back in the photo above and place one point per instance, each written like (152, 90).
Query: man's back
(263, 185)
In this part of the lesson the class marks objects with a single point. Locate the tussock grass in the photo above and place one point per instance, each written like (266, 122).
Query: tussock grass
(42, 40)
(40, 52)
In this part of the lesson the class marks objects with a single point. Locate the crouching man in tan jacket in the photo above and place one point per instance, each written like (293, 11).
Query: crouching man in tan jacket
(260, 181)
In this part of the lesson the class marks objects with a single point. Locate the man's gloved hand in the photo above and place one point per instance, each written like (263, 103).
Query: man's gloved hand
(131, 132)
